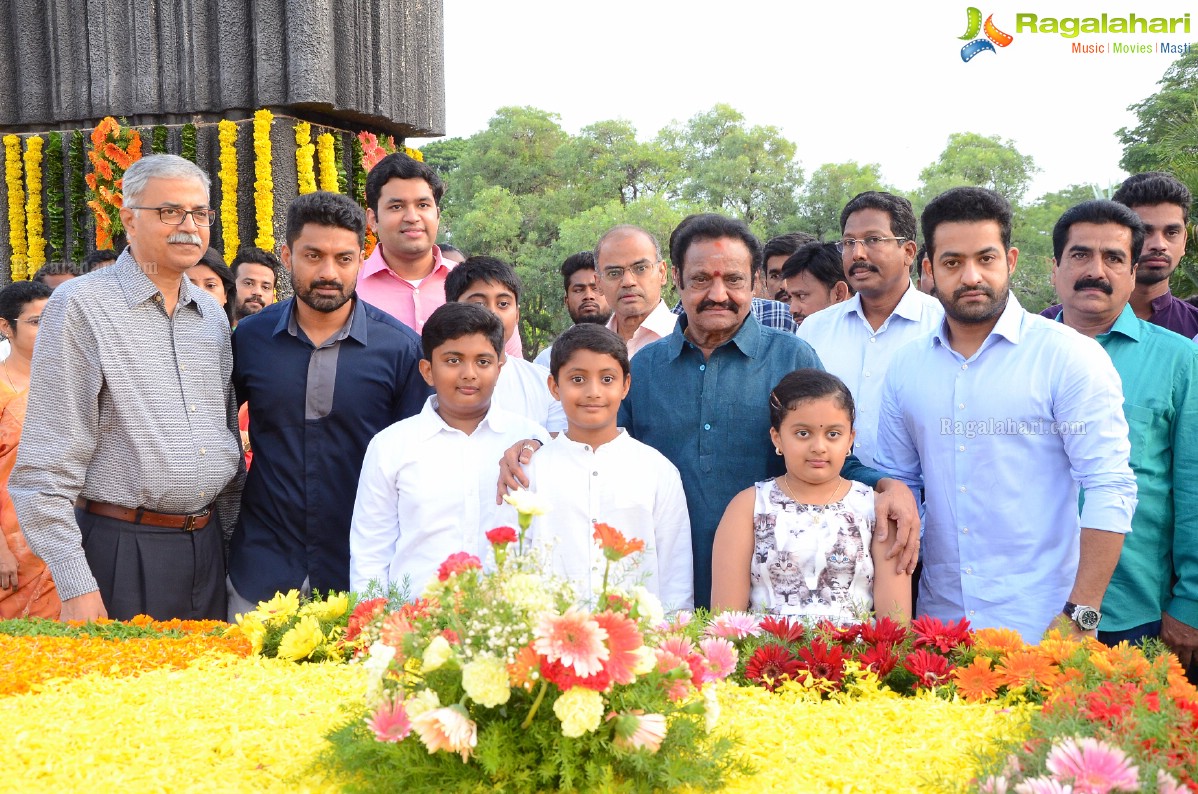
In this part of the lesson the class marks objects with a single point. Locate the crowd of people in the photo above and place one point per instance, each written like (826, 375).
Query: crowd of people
(817, 429)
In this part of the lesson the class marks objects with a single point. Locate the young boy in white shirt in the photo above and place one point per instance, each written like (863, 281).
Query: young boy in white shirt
(428, 482)
(595, 472)
(493, 284)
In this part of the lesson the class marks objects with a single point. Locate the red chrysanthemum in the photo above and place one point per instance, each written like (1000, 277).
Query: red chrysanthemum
(456, 563)
(825, 662)
(501, 536)
(770, 665)
(883, 630)
(879, 658)
(564, 677)
(928, 668)
(363, 614)
(944, 637)
(783, 628)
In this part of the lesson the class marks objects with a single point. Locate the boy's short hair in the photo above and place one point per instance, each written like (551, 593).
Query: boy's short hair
(455, 320)
(481, 268)
(821, 260)
(588, 336)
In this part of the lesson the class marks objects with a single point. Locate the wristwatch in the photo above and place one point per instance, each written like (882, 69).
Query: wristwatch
(1085, 617)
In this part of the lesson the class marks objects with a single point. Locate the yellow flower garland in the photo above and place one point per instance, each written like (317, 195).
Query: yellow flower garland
(35, 223)
(415, 154)
(16, 206)
(227, 133)
(264, 186)
(304, 152)
(328, 164)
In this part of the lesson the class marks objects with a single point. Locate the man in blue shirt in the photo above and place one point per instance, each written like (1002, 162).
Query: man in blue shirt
(323, 373)
(1001, 416)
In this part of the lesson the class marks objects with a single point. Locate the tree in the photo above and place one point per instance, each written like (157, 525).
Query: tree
(830, 188)
(516, 151)
(444, 154)
(605, 161)
(978, 161)
(1145, 147)
(1031, 233)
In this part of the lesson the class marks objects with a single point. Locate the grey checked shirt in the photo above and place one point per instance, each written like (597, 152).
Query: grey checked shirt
(127, 405)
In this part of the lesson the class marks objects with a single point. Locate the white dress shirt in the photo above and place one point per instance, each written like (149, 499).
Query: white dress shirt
(426, 491)
(629, 486)
(1001, 442)
(523, 389)
(857, 354)
(658, 323)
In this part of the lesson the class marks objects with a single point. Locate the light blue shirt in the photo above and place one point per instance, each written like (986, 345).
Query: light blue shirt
(1001, 443)
(857, 354)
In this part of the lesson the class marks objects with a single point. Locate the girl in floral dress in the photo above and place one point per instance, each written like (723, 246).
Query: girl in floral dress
(802, 544)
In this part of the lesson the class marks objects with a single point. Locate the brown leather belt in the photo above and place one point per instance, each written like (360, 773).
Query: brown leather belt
(188, 522)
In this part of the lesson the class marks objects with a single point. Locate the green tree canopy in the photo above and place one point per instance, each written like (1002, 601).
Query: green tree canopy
(830, 188)
(979, 161)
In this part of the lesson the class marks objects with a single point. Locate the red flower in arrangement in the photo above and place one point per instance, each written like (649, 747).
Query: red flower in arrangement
(944, 637)
(623, 641)
(564, 677)
(823, 661)
(930, 669)
(1111, 703)
(501, 536)
(615, 546)
(845, 635)
(783, 628)
(879, 658)
(451, 636)
(883, 630)
(456, 563)
(363, 614)
(617, 603)
(770, 665)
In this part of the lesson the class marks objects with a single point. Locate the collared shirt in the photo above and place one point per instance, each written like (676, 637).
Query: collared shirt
(1001, 442)
(770, 313)
(411, 304)
(427, 491)
(300, 492)
(1159, 372)
(127, 405)
(857, 354)
(1168, 311)
(322, 368)
(523, 389)
(659, 322)
(624, 484)
(710, 418)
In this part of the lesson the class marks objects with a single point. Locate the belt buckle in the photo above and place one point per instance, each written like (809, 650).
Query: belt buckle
(189, 523)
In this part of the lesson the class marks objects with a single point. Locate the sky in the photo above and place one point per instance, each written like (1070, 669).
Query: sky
(864, 80)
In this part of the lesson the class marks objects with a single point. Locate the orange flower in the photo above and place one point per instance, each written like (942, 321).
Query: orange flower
(1026, 668)
(106, 126)
(992, 639)
(520, 671)
(1058, 649)
(104, 170)
(394, 628)
(117, 155)
(977, 681)
(1121, 663)
(615, 546)
(91, 181)
(134, 147)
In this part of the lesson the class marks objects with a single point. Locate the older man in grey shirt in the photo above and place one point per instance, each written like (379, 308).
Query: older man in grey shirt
(130, 450)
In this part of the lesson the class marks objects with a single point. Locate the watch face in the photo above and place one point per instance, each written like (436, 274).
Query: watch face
(1087, 618)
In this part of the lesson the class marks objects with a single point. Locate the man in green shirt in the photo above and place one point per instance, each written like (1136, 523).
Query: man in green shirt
(1154, 590)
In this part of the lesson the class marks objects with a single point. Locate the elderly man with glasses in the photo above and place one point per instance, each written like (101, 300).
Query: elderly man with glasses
(632, 275)
(130, 469)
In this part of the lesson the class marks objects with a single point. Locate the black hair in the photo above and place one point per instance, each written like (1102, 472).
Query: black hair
(250, 255)
(454, 320)
(1154, 187)
(212, 259)
(968, 205)
(1098, 211)
(17, 295)
(902, 216)
(400, 166)
(583, 260)
(821, 260)
(587, 336)
(447, 248)
(710, 226)
(56, 269)
(918, 263)
(325, 209)
(804, 385)
(96, 257)
(481, 268)
(784, 245)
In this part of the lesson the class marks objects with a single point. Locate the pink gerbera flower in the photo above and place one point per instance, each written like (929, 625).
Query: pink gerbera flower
(1043, 785)
(720, 655)
(390, 721)
(575, 639)
(734, 626)
(623, 641)
(681, 620)
(678, 645)
(1094, 767)
(449, 728)
(678, 673)
(636, 731)
(458, 562)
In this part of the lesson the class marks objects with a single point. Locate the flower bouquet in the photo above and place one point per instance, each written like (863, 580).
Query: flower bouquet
(297, 630)
(498, 681)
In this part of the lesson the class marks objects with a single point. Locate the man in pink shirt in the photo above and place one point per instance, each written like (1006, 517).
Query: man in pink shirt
(405, 275)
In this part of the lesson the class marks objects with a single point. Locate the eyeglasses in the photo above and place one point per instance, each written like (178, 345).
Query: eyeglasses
(174, 216)
(873, 242)
(617, 273)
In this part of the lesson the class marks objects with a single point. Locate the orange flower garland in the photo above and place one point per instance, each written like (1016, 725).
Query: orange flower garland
(114, 149)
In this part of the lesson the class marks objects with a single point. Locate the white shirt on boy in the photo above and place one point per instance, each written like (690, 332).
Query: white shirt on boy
(523, 388)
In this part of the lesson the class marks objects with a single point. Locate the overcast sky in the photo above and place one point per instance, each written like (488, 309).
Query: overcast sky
(862, 80)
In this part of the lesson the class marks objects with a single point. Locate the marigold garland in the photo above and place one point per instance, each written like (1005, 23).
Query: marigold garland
(328, 163)
(114, 149)
(305, 150)
(227, 136)
(34, 221)
(264, 186)
(55, 212)
(16, 205)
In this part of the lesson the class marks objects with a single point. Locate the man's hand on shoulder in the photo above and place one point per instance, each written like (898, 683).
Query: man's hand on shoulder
(895, 510)
(511, 467)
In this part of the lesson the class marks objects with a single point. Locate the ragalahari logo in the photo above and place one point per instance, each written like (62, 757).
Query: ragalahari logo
(993, 36)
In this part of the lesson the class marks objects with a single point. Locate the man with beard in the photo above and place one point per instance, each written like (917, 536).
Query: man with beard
(585, 302)
(1162, 203)
(857, 338)
(1154, 590)
(130, 464)
(1001, 417)
(323, 372)
(254, 275)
